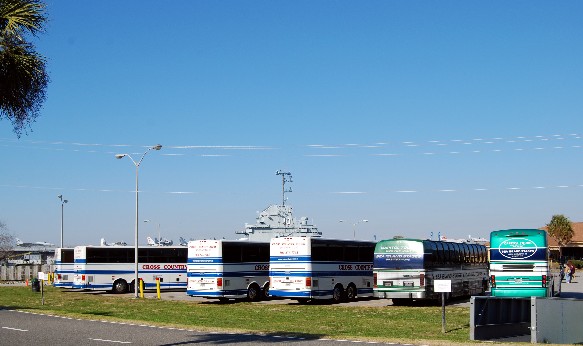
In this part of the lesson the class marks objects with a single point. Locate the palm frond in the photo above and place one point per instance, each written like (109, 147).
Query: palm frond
(20, 16)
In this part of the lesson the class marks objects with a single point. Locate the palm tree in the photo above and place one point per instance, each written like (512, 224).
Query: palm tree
(560, 228)
(22, 69)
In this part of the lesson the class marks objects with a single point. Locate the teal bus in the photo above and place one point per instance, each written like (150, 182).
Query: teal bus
(519, 264)
(404, 270)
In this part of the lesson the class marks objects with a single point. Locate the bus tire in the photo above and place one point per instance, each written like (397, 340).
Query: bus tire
(132, 287)
(120, 286)
(351, 292)
(265, 292)
(253, 293)
(337, 293)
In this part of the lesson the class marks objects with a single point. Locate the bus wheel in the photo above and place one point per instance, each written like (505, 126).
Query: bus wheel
(337, 293)
(351, 292)
(253, 293)
(265, 292)
(120, 286)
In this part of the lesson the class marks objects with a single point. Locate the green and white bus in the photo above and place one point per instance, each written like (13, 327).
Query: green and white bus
(519, 264)
(405, 269)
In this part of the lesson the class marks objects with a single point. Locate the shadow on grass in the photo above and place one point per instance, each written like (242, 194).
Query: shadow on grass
(17, 307)
(465, 327)
(97, 313)
(428, 302)
(226, 338)
(87, 313)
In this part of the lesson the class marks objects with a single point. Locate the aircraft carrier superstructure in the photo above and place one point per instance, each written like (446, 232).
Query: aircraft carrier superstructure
(278, 220)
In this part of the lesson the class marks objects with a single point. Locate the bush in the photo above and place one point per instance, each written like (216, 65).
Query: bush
(578, 263)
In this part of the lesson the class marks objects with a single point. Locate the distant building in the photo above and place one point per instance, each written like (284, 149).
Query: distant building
(30, 255)
(573, 250)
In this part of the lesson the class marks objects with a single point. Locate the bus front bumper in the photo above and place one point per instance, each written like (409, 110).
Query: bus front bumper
(519, 292)
(398, 295)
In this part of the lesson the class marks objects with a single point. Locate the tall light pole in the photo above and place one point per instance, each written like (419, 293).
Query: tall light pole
(137, 164)
(63, 201)
(354, 226)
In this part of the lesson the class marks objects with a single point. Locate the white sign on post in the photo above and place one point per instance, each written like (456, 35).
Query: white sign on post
(442, 286)
(42, 276)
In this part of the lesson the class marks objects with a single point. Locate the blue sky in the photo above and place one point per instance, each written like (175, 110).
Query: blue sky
(451, 117)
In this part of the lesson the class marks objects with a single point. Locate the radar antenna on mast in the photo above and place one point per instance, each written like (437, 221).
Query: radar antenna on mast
(286, 177)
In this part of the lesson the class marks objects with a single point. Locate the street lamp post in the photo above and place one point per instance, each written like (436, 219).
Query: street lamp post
(137, 164)
(354, 226)
(63, 201)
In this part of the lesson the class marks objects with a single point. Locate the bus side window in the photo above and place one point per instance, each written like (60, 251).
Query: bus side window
(453, 253)
(465, 250)
(478, 254)
(428, 254)
(231, 253)
(264, 252)
(335, 253)
(445, 252)
(440, 253)
(319, 252)
(474, 253)
(351, 253)
(365, 253)
(249, 252)
(434, 254)
(456, 253)
(450, 253)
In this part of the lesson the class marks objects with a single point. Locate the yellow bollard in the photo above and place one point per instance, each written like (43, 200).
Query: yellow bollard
(141, 288)
(158, 287)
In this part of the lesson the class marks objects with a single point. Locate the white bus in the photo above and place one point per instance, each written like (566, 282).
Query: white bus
(64, 267)
(405, 269)
(228, 269)
(314, 268)
(113, 267)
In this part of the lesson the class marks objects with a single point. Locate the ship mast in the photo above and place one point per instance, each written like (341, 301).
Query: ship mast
(286, 177)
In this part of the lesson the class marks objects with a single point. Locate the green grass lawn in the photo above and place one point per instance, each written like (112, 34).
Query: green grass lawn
(405, 324)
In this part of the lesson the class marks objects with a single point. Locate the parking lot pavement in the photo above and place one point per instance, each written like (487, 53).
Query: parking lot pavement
(568, 290)
(366, 302)
(573, 289)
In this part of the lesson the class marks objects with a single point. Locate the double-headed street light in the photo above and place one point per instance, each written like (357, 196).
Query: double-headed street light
(354, 226)
(63, 201)
(137, 164)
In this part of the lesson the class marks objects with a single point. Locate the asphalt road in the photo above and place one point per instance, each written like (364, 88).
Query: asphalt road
(20, 328)
(24, 328)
